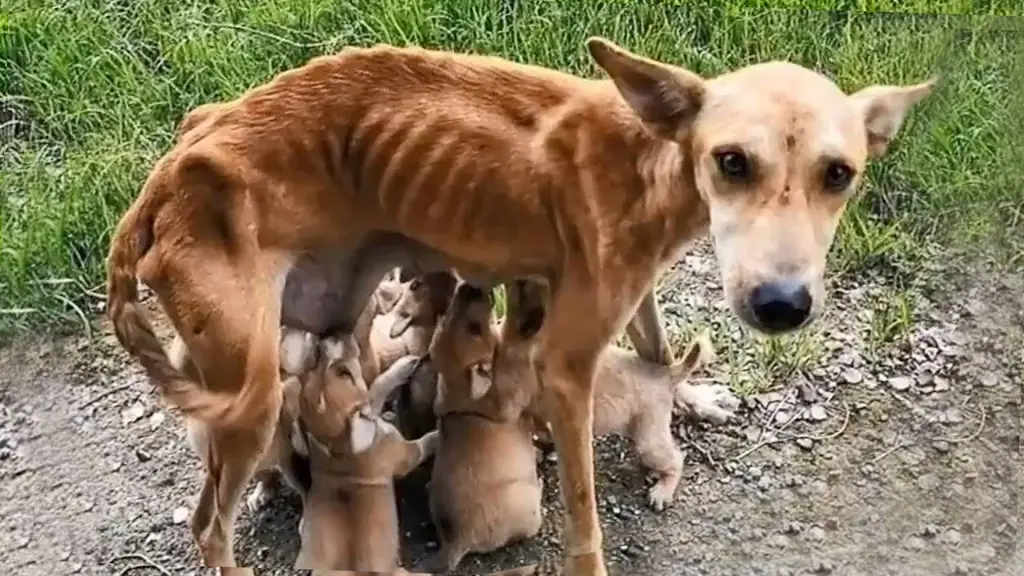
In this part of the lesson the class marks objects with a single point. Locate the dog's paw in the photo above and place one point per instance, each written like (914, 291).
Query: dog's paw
(712, 402)
(258, 498)
(660, 496)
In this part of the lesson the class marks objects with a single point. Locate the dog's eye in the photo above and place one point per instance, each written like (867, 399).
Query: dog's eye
(733, 165)
(838, 176)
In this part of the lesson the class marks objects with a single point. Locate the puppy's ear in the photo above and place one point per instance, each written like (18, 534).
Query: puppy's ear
(531, 321)
(362, 431)
(480, 380)
(699, 353)
(884, 109)
(666, 98)
(402, 323)
(388, 293)
(297, 351)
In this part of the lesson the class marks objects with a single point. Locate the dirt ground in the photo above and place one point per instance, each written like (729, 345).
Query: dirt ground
(899, 462)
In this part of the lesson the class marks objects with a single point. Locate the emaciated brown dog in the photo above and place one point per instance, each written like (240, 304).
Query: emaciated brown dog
(288, 205)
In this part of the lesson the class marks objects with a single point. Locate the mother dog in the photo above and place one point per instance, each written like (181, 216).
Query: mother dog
(289, 204)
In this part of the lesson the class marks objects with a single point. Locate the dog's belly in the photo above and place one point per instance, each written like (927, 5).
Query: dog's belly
(326, 290)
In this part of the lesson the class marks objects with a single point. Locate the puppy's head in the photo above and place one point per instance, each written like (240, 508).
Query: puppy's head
(333, 403)
(524, 312)
(777, 151)
(423, 299)
(462, 350)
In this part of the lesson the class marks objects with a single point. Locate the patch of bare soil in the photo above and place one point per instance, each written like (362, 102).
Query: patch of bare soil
(900, 461)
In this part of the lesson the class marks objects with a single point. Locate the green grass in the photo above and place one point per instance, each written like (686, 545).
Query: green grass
(91, 90)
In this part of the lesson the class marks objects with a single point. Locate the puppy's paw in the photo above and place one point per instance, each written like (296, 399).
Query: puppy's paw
(712, 402)
(660, 496)
(258, 498)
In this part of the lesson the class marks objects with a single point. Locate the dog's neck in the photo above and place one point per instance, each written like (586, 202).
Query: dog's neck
(667, 212)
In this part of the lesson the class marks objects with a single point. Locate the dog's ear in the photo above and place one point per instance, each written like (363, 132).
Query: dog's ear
(666, 98)
(480, 380)
(885, 107)
(362, 431)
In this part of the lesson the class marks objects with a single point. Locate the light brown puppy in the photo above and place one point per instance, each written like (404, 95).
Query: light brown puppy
(350, 519)
(632, 396)
(408, 325)
(484, 489)
(290, 203)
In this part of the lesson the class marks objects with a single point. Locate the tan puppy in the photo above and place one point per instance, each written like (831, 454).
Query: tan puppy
(484, 490)
(407, 327)
(632, 396)
(288, 205)
(350, 520)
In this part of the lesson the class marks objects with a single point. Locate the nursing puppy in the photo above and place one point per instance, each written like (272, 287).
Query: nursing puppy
(350, 519)
(484, 490)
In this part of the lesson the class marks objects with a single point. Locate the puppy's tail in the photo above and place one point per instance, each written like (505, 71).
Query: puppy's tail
(698, 353)
(131, 241)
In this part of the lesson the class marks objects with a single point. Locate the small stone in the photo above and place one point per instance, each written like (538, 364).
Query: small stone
(953, 416)
(961, 570)
(22, 541)
(824, 567)
(180, 515)
(794, 528)
(925, 378)
(816, 534)
(782, 417)
(142, 455)
(952, 537)
(764, 483)
(133, 413)
(817, 413)
(941, 384)
(65, 555)
(157, 419)
(805, 443)
(988, 379)
(431, 545)
(914, 543)
(852, 376)
(755, 473)
(778, 541)
(900, 383)
(77, 567)
(930, 531)
(832, 524)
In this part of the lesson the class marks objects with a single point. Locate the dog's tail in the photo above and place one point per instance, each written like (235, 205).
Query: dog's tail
(130, 242)
(698, 353)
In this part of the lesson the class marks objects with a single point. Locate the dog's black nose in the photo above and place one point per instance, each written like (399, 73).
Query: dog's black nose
(780, 306)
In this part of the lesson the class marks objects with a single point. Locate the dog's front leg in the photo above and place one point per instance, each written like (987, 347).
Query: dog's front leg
(647, 333)
(581, 320)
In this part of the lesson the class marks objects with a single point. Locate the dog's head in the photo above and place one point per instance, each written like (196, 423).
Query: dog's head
(334, 403)
(463, 348)
(423, 299)
(776, 151)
